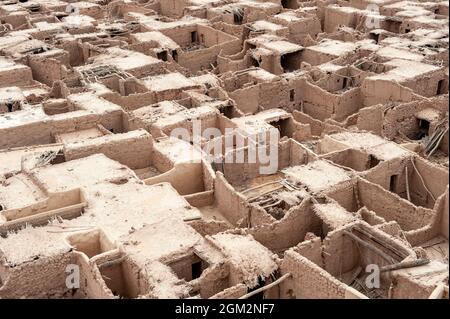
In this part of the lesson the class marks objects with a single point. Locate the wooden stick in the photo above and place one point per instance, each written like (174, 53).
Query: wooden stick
(436, 135)
(369, 246)
(262, 202)
(265, 193)
(391, 288)
(188, 219)
(433, 139)
(274, 204)
(438, 292)
(407, 184)
(437, 143)
(285, 181)
(405, 264)
(257, 291)
(289, 187)
(421, 179)
(386, 245)
(259, 186)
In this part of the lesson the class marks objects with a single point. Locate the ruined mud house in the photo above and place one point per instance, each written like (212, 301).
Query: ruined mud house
(92, 176)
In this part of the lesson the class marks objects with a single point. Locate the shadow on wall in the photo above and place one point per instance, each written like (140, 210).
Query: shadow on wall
(186, 178)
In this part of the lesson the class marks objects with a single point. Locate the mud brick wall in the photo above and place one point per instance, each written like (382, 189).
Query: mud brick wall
(42, 278)
(290, 230)
(231, 205)
(308, 279)
(133, 149)
(390, 207)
